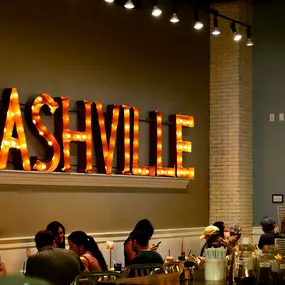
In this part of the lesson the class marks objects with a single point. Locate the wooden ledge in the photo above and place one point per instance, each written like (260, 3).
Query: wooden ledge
(13, 177)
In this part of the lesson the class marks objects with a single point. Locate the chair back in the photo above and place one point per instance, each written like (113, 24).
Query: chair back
(93, 277)
(281, 245)
(173, 267)
(136, 270)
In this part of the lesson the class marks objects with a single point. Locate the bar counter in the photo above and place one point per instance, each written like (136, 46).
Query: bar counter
(166, 279)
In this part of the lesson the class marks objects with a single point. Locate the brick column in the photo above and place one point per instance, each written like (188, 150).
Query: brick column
(231, 180)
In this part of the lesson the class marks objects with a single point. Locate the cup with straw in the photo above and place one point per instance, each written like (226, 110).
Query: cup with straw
(169, 258)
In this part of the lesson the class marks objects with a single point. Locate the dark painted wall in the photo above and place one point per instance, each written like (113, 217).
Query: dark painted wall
(95, 51)
(269, 98)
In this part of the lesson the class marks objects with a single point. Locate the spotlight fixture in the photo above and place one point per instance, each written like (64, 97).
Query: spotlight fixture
(198, 25)
(109, 1)
(237, 36)
(249, 42)
(174, 19)
(216, 30)
(156, 12)
(129, 4)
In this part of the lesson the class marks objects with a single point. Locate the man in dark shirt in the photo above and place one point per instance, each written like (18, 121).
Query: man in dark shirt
(144, 254)
(56, 265)
(268, 238)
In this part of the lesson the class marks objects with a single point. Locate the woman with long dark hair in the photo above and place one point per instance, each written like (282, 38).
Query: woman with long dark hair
(87, 248)
(58, 232)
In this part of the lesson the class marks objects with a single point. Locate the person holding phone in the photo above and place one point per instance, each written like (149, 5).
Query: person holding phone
(141, 247)
(143, 226)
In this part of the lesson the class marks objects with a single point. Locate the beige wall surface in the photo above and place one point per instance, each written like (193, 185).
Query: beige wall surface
(95, 51)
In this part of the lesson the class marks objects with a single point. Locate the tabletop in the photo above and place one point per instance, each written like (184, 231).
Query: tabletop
(166, 279)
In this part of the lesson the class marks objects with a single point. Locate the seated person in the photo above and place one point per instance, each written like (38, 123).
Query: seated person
(221, 226)
(20, 280)
(143, 226)
(235, 234)
(87, 248)
(2, 267)
(213, 239)
(58, 231)
(141, 247)
(268, 227)
(55, 265)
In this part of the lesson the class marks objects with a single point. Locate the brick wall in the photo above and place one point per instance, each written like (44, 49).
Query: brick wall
(231, 180)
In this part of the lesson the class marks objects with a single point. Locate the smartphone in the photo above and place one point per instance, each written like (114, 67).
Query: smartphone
(157, 245)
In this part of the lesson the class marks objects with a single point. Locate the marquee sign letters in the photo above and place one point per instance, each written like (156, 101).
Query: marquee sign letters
(97, 135)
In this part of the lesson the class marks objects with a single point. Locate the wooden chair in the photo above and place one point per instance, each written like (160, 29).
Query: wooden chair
(88, 278)
(136, 270)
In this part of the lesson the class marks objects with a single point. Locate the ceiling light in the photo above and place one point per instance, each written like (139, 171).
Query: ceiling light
(216, 30)
(198, 25)
(109, 1)
(129, 4)
(174, 19)
(249, 42)
(156, 12)
(237, 36)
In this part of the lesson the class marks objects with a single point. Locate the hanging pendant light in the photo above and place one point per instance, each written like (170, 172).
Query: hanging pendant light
(129, 4)
(174, 19)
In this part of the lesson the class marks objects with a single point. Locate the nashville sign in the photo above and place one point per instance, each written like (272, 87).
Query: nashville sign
(97, 135)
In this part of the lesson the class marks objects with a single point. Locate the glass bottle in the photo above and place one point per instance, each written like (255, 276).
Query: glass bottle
(282, 271)
(268, 266)
(243, 261)
(186, 276)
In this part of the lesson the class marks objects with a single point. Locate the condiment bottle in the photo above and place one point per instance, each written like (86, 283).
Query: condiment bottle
(282, 271)
(268, 266)
(243, 262)
(186, 275)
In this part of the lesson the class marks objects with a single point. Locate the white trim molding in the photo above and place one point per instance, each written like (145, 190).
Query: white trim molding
(13, 177)
(13, 250)
(24, 242)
